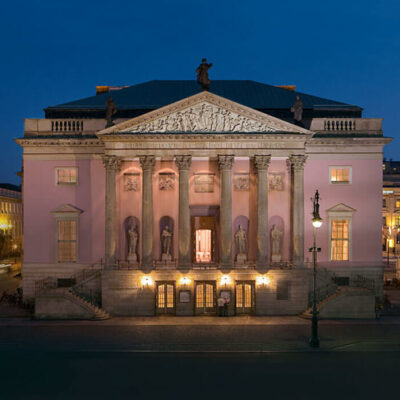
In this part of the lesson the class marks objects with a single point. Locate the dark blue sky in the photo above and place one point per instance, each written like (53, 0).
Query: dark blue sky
(57, 51)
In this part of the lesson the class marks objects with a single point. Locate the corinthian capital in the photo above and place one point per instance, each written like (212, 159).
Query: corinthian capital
(262, 162)
(147, 162)
(225, 162)
(297, 161)
(183, 162)
(112, 163)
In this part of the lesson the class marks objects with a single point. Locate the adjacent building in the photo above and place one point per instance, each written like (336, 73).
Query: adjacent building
(10, 220)
(170, 197)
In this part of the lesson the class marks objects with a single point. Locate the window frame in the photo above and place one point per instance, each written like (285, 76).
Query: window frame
(66, 183)
(341, 212)
(67, 213)
(349, 167)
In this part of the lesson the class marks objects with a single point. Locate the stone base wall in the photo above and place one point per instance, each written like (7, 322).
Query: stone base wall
(32, 272)
(124, 293)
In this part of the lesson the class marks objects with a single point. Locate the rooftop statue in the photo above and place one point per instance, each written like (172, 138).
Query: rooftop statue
(111, 110)
(202, 74)
(297, 109)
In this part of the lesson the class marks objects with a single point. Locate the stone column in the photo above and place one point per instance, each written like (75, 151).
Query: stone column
(225, 167)
(297, 166)
(261, 163)
(184, 233)
(112, 165)
(147, 163)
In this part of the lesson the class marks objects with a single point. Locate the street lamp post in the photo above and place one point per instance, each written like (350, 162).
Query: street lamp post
(317, 223)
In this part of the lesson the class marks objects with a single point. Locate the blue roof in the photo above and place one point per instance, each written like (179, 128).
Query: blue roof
(159, 93)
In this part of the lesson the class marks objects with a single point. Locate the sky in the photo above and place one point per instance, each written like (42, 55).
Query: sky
(58, 51)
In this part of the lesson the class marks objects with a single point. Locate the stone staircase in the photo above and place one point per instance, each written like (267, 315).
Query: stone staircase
(98, 313)
(308, 313)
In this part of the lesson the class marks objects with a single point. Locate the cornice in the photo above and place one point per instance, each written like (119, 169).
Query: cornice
(36, 142)
(348, 141)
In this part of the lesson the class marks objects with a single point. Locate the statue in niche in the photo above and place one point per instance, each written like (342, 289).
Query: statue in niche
(241, 245)
(166, 242)
(276, 237)
(202, 74)
(111, 110)
(133, 237)
(297, 109)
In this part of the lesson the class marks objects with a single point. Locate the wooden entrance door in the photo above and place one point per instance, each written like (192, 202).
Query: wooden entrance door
(205, 298)
(165, 300)
(244, 297)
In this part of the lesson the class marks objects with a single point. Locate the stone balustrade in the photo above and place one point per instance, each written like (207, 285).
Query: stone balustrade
(371, 126)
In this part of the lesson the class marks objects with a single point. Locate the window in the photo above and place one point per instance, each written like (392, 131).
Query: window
(384, 221)
(397, 203)
(397, 220)
(66, 241)
(67, 228)
(340, 175)
(203, 245)
(340, 240)
(384, 203)
(67, 176)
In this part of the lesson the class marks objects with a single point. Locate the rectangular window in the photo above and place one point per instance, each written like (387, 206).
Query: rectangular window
(67, 240)
(340, 175)
(340, 240)
(384, 203)
(397, 220)
(67, 176)
(397, 203)
(384, 221)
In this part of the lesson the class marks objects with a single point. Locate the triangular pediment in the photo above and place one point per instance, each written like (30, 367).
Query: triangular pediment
(341, 208)
(204, 112)
(67, 208)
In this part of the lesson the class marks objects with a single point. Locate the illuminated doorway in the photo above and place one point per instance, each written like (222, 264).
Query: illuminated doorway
(205, 298)
(203, 240)
(165, 298)
(203, 245)
(244, 297)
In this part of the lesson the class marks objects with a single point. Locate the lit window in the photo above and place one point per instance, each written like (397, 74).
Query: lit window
(67, 176)
(66, 240)
(397, 220)
(203, 245)
(340, 240)
(340, 175)
(397, 203)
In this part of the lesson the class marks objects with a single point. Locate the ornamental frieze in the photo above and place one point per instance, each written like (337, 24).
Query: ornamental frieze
(203, 117)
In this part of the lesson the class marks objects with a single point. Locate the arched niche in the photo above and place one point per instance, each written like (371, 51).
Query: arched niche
(244, 223)
(128, 224)
(166, 222)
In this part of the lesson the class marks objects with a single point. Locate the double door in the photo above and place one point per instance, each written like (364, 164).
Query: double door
(205, 303)
(244, 297)
(165, 298)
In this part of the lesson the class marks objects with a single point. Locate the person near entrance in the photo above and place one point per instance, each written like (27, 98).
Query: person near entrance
(221, 306)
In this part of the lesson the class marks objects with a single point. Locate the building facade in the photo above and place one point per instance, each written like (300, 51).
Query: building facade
(10, 220)
(183, 196)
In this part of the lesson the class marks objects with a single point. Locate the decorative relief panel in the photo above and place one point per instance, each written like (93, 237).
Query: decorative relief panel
(203, 117)
(204, 183)
(166, 181)
(241, 182)
(276, 181)
(132, 182)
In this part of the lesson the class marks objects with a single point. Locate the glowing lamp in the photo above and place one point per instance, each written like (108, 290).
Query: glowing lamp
(184, 280)
(317, 222)
(225, 280)
(147, 281)
(263, 280)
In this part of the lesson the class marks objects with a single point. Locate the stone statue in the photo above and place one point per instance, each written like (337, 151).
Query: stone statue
(241, 245)
(276, 236)
(202, 74)
(297, 109)
(111, 110)
(133, 237)
(166, 241)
